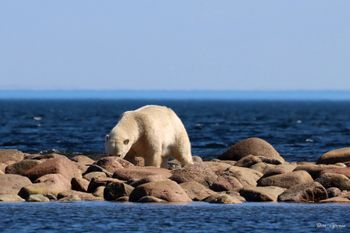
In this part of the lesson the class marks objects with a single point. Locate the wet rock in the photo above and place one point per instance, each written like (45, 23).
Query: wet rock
(83, 162)
(151, 199)
(114, 191)
(329, 180)
(38, 198)
(196, 191)
(259, 194)
(333, 192)
(166, 190)
(341, 200)
(22, 167)
(200, 173)
(11, 184)
(99, 191)
(7, 155)
(80, 184)
(335, 156)
(251, 146)
(286, 180)
(96, 182)
(59, 165)
(134, 173)
(91, 175)
(45, 185)
(72, 194)
(10, 198)
(309, 192)
(222, 199)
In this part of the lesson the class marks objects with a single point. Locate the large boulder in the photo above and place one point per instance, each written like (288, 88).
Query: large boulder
(251, 146)
(166, 190)
(258, 194)
(22, 167)
(335, 156)
(309, 192)
(329, 180)
(196, 191)
(50, 184)
(10, 155)
(11, 184)
(80, 184)
(246, 176)
(286, 180)
(113, 163)
(59, 165)
(134, 173)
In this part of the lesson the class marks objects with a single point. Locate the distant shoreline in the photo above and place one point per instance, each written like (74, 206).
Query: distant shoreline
(174, 95)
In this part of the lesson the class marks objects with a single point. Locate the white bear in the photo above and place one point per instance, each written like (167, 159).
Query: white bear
(152, 132)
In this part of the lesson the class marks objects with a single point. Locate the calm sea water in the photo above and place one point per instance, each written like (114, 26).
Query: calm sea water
(198, 217)
(298, 130)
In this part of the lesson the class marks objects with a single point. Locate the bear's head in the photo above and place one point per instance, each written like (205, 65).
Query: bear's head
(117, 144)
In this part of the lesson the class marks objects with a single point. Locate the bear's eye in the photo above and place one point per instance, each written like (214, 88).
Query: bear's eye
(126, 142)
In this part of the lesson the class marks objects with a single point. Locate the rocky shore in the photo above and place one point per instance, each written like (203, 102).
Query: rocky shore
(250, 170)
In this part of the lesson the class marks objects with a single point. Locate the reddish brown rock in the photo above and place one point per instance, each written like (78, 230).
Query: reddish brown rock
(91, 175)
(7, 155)
(83, 162)
(22, 167)
(166, 190)
(196, 191)
(343, 171)
(11, 184)
(246, 176)
(113, 191)
(50, 184)
(134, 173)
(259, 194)
(150, 199)
(286, 180)
(152, 178)
(309, 192)
(80, 184)
(96, 182)
(335, 156)
(251, 146)
(60, 165)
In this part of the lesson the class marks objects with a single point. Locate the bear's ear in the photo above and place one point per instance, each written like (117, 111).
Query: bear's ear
(126, 142)
(107, 137)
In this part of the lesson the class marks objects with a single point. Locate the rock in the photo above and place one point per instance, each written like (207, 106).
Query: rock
(329, 180)
(216, 166)
(3, 167)
(260, 167)
(10, 198)
(335, 156)
(279, 169)
(196, 191)
(71, 194)
(226, 182)
(135, 172)
(251, 146)
(96, 182)
(309, 192)
(59, 165)
(246, 176)
(11, 184)
(248, 161)
(83, 162)
(80, 184)
(1, 172)
(197, 159)
(99, 191)
(48, 156)
(97, 168)
(151, 199)
(147, 179)
(166, 190)
(314, 170)
(336, 200)
(110, 163)
(91, 175)
(286, 180)
(333, 192)
(38, 198)
(343, 171)
(222, 199)
(7, 155)
(114, 191)
(45, 185)
(258, 194)
(22, 167)
(70, 199)
(123, 199)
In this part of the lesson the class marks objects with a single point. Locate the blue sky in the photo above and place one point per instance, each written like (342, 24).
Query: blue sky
(175, 45)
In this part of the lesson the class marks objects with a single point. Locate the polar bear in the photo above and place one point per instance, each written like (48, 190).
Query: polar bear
(152, 132)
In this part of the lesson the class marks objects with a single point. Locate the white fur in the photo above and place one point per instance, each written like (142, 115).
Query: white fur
(152, 132)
